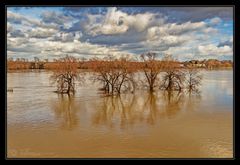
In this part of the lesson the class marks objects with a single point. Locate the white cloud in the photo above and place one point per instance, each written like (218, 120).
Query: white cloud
(66, 37)
(210, 30)
(55, 17)
(182, 53)
(114, 33)
(41, 32)
(185, 27)
(80, 48)
(212, 49)
(215, 21)
(45, 48)
(118, 22)
(27, 21)
(9, 27)
(167, 41)
(14, 42)
(155, 32)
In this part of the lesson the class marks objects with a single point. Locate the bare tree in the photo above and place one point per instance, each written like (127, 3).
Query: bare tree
(125, 75)
(151, 69)
(10, 59)
(65, 75)
(173, 77)
(193, 79)
(101, 71)
(36, 59)
(114, 74)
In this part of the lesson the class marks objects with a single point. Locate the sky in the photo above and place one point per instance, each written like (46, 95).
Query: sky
(88, 32)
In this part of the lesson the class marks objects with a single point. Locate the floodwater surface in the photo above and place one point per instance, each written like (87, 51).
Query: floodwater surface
(43, 124)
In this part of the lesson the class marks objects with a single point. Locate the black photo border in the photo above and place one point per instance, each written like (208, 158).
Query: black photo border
(48, 3)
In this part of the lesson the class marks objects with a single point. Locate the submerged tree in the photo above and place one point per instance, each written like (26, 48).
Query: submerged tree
(125, 75)
(173, 77)
(100, 73)
(193, 79)
(116, 75)
(151, 69)
(65, 74)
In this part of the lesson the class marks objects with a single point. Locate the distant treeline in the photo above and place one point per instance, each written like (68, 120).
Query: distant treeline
(22, 63)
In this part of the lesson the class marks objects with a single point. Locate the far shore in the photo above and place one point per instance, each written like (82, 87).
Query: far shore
(24, 64)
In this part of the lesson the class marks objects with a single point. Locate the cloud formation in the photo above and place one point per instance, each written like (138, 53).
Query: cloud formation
(118, 22)
(212, 49)
(185, 32)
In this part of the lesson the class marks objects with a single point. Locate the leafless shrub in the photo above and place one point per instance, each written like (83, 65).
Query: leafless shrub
(116, 75)
(173, 78)
(65, 74)
(151, 69)
(193, 79)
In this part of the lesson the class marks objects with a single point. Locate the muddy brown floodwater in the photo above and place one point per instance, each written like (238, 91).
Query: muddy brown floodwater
(43, 124)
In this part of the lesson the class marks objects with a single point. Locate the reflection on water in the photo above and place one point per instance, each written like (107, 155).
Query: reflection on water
(126, 109)
(65, 111)
(144, 107)
(42, 123)
(174, 102)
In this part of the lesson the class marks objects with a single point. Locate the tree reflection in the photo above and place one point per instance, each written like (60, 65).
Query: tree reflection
(150, 106)
(192, 100)
(173, 102)
(143, 107)
(65, 111)
(115, 109)
(127, 110)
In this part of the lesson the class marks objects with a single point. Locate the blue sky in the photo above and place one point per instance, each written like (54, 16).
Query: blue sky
(185, 32)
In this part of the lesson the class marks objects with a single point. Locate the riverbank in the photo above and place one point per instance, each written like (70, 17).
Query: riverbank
(208, 64)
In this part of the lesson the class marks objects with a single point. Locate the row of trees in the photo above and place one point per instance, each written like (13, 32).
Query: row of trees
(119, 75)
(23, 63)
(36, 63)
(210, 63)
(173, 78)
